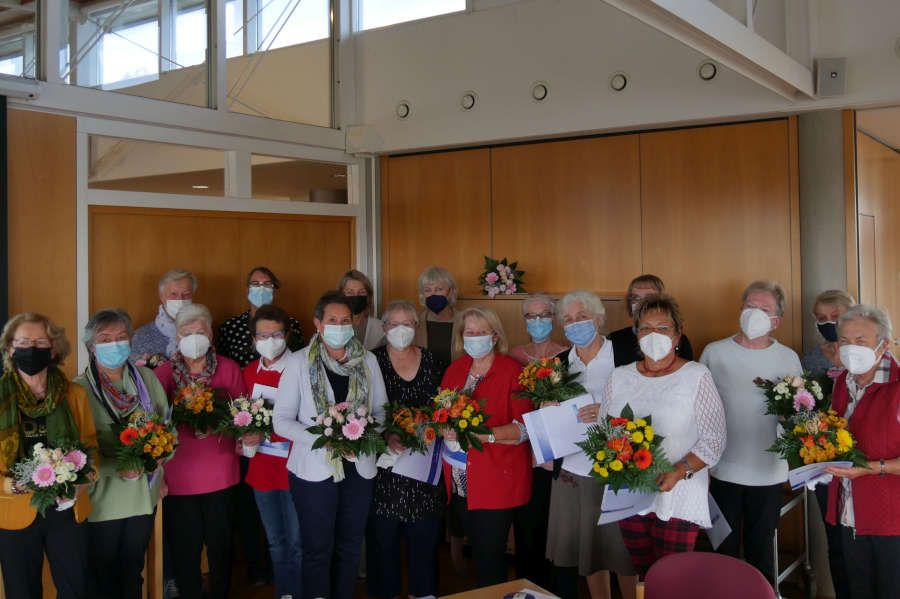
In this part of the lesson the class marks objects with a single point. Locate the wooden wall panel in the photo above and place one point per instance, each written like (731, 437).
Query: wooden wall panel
(41, 219)
(436, 210)
(867, 261)
(130, 248)
(570, 212)
(718, 213)
(879, 197)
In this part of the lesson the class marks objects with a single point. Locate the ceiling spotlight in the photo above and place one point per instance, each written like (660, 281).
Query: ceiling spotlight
(402, 110)
(618, 81)
(707, 70)
(199, 186)
(467, 100)
(540, 91)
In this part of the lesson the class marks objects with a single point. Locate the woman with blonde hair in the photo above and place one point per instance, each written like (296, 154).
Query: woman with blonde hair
(827, 308)
(437, 292)
(358, 289)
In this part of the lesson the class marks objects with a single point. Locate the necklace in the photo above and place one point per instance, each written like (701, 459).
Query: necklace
(659, 371)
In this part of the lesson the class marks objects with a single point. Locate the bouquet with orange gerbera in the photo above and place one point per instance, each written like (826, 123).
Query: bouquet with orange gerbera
(142, 443)
(198, 406)
(812, 437)
(459, 412)
(548, 380)
(626, 452)
(413, 426)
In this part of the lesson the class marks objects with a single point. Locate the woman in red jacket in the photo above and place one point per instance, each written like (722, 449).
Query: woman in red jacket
(865, 502)
(491, 488)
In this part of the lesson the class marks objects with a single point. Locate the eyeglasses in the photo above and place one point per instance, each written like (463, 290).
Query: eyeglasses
(405, 323)
(23, 343)
(266, 284)
(275, 335)
(533, 316)
(664, 329)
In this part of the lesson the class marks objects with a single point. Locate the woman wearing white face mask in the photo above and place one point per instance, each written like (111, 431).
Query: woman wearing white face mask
(865, 502)
(331, 493)
(747, 481)
(202, 474)
(403, 507)
(490, 493)
(688, 413)
(176, 289)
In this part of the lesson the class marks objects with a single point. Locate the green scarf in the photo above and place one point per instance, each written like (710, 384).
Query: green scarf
(16, 397)
(358, 385)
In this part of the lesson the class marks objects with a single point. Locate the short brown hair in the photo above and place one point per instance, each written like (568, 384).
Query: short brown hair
(273, 313)
(648, 280)
(58, 343)
(486, 315)
(266, 271)
(661, 302)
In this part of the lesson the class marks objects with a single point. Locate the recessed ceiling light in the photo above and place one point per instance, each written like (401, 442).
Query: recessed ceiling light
(200, 186)
(467, 100)
(618, 81)
(707, 70)
(402, 110)
(540, 91)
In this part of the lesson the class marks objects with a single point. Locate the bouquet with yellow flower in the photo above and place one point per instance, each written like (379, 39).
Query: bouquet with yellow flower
(141, 443)
(198, 406)
(548, 380)
(812, 437)
(413, 426)
(626, 451)
(458, 411)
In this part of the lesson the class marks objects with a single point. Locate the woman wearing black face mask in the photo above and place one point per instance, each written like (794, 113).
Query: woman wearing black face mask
(358, 288)
(38, 404)
(437, 292)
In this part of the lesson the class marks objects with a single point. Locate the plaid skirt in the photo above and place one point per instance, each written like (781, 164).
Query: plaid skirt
(648, 538)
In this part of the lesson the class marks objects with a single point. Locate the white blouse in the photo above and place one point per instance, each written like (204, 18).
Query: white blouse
(688, 412)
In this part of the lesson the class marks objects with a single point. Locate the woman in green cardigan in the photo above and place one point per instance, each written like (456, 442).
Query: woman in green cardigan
(124, 503)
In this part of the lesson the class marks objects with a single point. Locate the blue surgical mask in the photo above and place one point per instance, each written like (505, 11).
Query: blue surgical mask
(828, 330)
(260, 296)
(581, 333)
(539, 328)
(478, 347)
(114, 354)
(337, 335)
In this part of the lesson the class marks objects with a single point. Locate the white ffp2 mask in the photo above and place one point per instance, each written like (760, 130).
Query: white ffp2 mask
(194, 346)
(755, 323)
(858, 359)
(656, 346)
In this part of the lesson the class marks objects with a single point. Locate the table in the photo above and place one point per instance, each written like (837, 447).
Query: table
(497, 591)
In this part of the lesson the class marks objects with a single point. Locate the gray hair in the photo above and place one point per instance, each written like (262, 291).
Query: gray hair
(177, 275)
(396, 305)
(190, 314)
(877, 316)
(434, 275)
(539, 297)
(590, 300)
(772, 287)
(103, 319)
(834, 297)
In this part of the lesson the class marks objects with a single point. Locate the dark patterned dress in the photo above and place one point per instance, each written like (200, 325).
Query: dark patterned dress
(235, 341)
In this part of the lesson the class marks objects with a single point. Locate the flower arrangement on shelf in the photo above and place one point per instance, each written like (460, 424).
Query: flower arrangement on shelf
(500, 278)
(198, 406)
(787, 396)
(142, 443)
(548, 380)
(346, 431)
(811, 437)
(457, 411)
(626, 452)
(53, 472)
(247, 417)
(412, 426)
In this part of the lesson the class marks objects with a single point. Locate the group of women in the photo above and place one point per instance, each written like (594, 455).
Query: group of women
(344, 502)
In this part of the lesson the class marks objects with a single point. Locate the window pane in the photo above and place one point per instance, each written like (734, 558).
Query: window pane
(288, 22)
(234, 28)
(380, 13)
(292, 180)
(17, 40)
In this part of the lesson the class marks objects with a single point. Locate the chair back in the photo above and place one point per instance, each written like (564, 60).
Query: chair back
(699, 575)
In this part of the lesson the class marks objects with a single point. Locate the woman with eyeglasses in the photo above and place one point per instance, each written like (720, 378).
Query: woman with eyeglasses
(538, 312)
(38, 404)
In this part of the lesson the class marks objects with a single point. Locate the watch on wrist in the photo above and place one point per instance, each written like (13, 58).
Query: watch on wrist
(491, 437)
(883, 470)
(688, 471)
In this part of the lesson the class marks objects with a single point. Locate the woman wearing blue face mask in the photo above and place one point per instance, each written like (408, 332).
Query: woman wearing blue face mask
(538, 311)
(121, 522)
(332, 493)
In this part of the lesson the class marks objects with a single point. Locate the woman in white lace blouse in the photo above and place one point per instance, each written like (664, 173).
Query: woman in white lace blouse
(688, 413)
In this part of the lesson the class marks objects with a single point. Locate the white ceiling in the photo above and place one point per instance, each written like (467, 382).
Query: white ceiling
(882, 124)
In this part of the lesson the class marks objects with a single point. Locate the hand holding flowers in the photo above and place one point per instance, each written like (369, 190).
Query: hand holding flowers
(347, 432)
(141, 444)
(408, 428)
(248, 420)
(548, 381)
(200, 407)
(53, 474)
(812, 437)
(457, 414)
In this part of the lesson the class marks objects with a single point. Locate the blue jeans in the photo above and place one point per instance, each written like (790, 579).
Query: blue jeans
(279, 518)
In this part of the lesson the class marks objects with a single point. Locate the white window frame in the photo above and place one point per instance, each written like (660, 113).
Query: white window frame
(357, 12)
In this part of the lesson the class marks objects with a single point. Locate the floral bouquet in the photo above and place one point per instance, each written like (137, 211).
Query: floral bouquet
(412, 425)
(347, 431)
(787, 396)
(626, 452)
(198, 406)
(548, 380)
(812, 436)
(457, 411)
(51, 473)
(151, 361)
(142, 443)
(500, 278)
(247, 417)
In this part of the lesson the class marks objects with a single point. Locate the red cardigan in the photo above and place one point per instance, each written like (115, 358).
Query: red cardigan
(500, 476)
(876, 498)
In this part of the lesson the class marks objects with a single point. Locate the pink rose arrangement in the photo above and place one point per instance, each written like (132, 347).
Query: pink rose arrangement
(247, 417)
(500, 278)
(346, 430)
(790, 395)
(51, 473)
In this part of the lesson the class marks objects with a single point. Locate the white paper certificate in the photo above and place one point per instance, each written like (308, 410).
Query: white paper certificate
(799, 477)
(267, 392)
(623, 504)
(422, 467)
(720, 528)
(554, 430)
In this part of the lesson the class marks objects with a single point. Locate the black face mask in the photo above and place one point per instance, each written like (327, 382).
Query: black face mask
(828, 330)
(31, 360)
(436, 303)
(358, 303)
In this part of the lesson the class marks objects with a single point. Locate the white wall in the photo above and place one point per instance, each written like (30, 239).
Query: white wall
(575, 45)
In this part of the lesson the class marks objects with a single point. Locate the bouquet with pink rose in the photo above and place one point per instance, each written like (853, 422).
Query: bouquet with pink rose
(51, 473)
(247, 417)
(347, 431)
(500, 278)
(790, 395)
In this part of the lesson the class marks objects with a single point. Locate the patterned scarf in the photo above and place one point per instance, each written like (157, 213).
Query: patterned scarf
(119, 404)
(16, 397)
(182, 373)
(358, 390)
(166, 326)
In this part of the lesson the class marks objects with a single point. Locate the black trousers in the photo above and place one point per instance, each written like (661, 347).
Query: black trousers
(249, 528)
(874, 562)
(531, 535)
(836, 562)
(192, 521)
(385, 576)
(22, 556)
(116, 549)
(753, 513)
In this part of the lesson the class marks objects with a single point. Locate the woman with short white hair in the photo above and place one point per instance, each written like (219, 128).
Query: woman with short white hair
(204, 470)
(176, 289)
(538, 311)
(865, 502)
